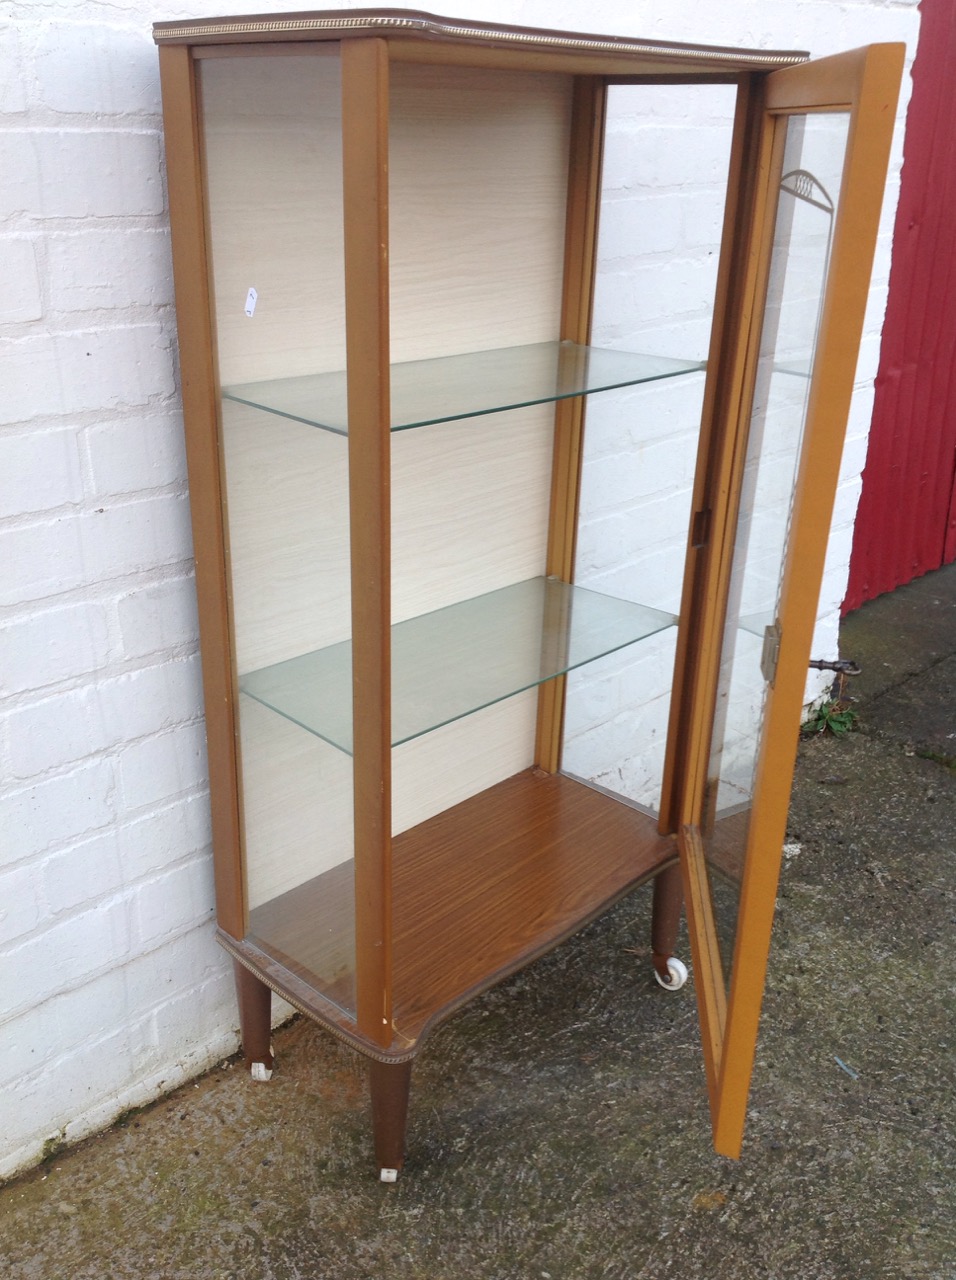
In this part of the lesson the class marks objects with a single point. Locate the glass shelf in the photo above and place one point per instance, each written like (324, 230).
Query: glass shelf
(457, 660)
(441, 390)
(794, 368)
(756, 623)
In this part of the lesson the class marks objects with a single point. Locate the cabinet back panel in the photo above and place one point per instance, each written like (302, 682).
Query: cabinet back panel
(287, 490)
(298, 790)
(470, 506)
(478, 171)
(273, 160)
(478, 185)
(297, 803)
(478, 177)
(478, 188)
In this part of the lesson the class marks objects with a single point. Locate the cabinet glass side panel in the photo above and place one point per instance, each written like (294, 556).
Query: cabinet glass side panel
(460, 659)
(272, 147)
(446, 388)
(809, 187)
(666, 155)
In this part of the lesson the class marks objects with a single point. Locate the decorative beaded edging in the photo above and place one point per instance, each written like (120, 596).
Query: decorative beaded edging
(306, 23)
(313, 1011)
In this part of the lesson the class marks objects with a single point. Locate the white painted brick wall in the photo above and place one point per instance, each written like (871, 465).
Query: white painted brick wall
(112, 988)
(112, 985)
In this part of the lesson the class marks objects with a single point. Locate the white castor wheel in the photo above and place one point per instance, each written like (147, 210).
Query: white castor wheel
(677, 974)
(388, 1175)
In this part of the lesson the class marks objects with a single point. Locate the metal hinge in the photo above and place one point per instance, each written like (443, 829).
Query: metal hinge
(771, 652)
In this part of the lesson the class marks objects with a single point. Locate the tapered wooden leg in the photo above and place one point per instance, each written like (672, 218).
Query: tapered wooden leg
(390, 1083)
(255, 1021)
(665, 919)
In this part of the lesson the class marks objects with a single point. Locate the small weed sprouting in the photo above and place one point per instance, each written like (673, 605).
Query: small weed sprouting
(831, 717)
(52, 1147)
(835, 715)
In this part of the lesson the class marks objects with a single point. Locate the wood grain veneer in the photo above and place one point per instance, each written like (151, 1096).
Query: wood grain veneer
(589, 108)
(478, 891)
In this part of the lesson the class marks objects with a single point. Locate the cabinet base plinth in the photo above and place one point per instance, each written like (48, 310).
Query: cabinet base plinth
(479, 891)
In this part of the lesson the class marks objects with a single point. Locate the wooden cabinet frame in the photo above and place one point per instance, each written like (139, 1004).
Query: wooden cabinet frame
(398, 997)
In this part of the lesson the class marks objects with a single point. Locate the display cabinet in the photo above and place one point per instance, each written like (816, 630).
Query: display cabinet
(384, 238)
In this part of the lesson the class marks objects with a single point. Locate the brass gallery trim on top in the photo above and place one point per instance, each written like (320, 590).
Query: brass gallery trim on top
(416, 23)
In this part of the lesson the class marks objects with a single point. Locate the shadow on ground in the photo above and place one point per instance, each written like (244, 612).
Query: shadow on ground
(559, 1126)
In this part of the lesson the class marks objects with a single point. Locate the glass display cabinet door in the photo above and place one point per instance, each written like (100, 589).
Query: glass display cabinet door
(818, 142)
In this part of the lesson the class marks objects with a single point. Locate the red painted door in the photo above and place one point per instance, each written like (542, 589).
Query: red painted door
(906, 523)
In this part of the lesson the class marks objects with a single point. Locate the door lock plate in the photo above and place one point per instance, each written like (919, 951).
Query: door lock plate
(771, 652)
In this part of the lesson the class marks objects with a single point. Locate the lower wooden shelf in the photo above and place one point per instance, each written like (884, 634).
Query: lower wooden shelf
(478, 891)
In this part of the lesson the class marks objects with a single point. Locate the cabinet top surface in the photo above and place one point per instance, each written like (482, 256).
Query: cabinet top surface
(413, 24)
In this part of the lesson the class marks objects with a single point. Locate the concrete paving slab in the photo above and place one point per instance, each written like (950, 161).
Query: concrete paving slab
(901, 634)
(921, 714)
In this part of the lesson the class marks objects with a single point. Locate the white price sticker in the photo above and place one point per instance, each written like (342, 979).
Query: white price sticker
(251, 299)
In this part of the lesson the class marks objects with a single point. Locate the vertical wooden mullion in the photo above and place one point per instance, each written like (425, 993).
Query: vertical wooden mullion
(708, 971)
(726, 509)
(588, 111)
(200, 394)
(706, 568)
(721, 457)
(365, 179)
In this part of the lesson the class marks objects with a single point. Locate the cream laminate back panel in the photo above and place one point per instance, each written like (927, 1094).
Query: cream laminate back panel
(478, 183)
(273, 160)
(287, 487)
(477, 190)
(297, 803)
(297, 799)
